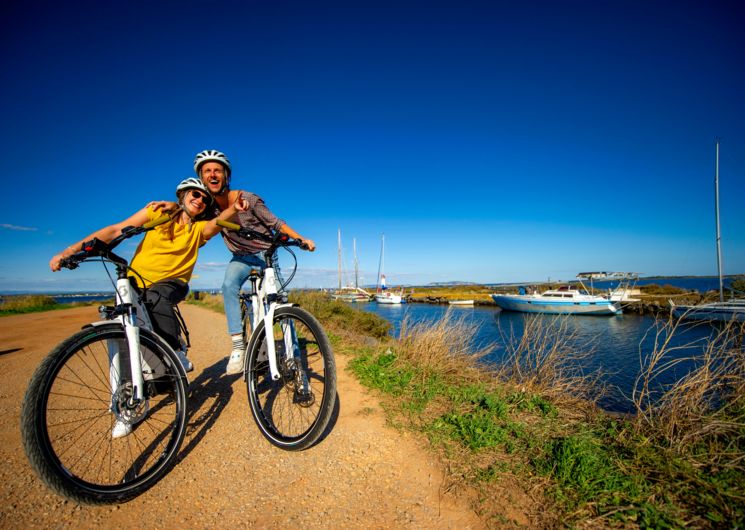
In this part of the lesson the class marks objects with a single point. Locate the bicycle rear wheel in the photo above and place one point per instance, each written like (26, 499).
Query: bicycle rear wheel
(75, 398)
(292, 412)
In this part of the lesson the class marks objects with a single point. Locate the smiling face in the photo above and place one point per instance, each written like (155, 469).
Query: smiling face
(194, 202)
(213, 176)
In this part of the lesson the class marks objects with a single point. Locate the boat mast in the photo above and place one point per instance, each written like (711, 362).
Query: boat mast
(356, 263)
(339, 247)
(719, 235)
(380, 261)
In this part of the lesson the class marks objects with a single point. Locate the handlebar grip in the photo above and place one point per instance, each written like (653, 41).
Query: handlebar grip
(68, 263)
(228, 225)
(156, 222)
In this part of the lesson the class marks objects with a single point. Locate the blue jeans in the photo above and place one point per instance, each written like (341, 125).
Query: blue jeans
(235, 276)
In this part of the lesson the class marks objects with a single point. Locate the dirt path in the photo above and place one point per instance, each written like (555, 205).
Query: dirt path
(363, 475)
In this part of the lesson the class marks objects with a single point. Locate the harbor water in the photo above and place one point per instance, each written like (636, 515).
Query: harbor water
(618, 343)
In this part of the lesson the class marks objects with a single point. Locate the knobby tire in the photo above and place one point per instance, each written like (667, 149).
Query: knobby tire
(291, 415)
(67, 418)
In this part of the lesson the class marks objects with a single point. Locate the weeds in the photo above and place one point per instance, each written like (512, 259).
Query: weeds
(16, 305)
(679, 462)
(547, 359)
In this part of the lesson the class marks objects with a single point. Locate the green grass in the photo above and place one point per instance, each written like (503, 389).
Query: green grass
(580, 466)
(18, 305)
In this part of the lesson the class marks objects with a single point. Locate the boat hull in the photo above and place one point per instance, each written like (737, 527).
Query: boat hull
(390, 299)
(534, 304)
(461, 303)
(716, 312)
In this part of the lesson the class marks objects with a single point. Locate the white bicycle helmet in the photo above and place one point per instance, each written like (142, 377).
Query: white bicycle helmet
(193, 183)
(211, 155)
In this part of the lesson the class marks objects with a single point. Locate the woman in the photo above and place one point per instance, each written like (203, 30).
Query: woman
(166, 256)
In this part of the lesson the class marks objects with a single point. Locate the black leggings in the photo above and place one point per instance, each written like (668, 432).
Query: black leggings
(160, 298)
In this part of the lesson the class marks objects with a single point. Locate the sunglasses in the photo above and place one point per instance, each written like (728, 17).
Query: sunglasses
(199, 195)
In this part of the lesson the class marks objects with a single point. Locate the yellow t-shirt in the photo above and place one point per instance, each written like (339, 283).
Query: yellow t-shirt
(158, 257)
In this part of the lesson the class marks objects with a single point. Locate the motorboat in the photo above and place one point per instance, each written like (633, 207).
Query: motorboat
(566, 300)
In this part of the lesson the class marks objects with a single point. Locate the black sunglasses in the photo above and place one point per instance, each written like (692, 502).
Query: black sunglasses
(199, 195)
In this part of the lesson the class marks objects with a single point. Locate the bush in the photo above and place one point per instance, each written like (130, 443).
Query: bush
(26, 304)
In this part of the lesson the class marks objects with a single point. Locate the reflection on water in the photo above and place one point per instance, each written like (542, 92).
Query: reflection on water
(618, 342)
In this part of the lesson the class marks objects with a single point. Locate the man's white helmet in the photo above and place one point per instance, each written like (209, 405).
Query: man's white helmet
(211, 155)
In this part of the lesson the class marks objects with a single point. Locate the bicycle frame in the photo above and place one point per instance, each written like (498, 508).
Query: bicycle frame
(264, 298)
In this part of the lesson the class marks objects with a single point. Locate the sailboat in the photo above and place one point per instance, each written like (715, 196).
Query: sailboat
(353, 294)
(722, 311)
(382, 294)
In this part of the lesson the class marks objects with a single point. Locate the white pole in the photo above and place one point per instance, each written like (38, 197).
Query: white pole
(719, 235)
(339, 246)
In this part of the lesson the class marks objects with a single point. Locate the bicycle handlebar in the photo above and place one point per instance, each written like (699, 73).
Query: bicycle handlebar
(278, 239)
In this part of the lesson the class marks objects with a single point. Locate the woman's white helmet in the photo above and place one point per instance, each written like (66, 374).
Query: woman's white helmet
(211, 155)
(193, 184)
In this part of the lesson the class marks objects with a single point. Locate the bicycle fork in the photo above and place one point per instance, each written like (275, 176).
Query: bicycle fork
(132, 332)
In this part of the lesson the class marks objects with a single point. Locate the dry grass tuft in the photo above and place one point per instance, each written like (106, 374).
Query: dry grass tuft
(547, 359)
(705, 405)
(443, 347)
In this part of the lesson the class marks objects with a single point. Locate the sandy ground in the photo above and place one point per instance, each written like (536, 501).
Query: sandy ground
(364, 474)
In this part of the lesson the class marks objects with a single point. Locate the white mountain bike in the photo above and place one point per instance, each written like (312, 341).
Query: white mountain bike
(291, 378)
(90, 382)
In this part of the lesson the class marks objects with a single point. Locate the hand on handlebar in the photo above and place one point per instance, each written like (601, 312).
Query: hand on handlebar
(307, 244)
(54, 263)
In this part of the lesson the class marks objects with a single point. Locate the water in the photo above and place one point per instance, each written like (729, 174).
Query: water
(617, 341)
(82, 297)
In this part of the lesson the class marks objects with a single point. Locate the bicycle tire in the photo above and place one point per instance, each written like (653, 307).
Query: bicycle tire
(68, 415)
(289, 416)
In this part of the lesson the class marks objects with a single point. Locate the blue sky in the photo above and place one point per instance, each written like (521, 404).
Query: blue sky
(489, 141)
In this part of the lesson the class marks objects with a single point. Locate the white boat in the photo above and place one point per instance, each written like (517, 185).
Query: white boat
(562, 301)
(352, 294)
(730, 311)
(388, 298)
(382, 294)
(460, 302)
(722, 311)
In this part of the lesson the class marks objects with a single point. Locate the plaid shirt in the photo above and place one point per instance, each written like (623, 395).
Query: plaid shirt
(257, 217)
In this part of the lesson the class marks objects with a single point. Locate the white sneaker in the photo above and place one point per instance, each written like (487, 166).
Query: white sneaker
(235, 363)
(185, 362)
(123, 427)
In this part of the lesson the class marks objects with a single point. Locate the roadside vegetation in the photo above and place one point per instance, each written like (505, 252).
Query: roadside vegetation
(16, 305)
(527, 436)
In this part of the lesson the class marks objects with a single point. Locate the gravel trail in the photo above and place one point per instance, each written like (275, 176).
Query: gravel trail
(364, 474)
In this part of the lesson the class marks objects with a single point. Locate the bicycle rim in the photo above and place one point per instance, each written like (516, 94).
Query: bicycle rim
(74, 402)
(293, 412)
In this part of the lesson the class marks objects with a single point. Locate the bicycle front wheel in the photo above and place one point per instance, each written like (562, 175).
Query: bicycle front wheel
(293, 411)
(84, 435)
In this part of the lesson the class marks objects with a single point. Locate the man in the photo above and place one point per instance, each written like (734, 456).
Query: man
(214, 168)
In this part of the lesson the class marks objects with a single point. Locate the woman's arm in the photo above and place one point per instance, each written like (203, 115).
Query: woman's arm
(106, 234)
